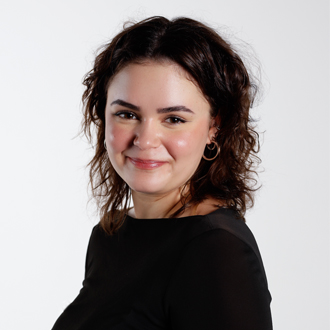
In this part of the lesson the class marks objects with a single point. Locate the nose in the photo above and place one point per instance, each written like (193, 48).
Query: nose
(146, 135)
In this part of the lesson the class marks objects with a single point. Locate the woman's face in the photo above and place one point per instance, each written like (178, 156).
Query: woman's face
(157, 126)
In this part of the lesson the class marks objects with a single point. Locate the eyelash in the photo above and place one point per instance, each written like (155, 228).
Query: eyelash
(178, 120)
(124, 115)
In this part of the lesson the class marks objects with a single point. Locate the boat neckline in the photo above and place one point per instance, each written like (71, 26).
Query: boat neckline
(221, 209)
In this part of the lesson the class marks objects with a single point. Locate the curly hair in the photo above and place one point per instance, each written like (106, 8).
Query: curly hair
(216, 68)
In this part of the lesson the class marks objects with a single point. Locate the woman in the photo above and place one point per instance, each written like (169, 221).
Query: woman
(169, 102)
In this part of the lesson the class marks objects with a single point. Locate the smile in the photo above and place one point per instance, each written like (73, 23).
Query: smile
(146, 164)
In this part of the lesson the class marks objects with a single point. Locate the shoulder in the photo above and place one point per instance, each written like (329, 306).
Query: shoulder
(95, 246)
(96, 234)
(229, 221)
(222, 238)
(219, 276)
(225, 220)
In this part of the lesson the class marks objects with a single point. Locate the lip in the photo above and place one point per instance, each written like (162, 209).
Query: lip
(146, 164)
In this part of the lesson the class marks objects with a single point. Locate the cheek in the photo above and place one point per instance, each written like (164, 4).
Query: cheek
(189, 143)
(118, 138)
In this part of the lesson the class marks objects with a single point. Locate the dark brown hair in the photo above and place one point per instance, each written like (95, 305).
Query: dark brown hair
(221, 75)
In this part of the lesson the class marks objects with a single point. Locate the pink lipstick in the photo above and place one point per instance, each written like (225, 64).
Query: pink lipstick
(146, 164)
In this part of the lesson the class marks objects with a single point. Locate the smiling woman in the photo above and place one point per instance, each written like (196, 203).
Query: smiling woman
(170, 103)
(156, 144)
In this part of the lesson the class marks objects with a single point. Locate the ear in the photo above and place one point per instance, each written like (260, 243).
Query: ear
(212, 131)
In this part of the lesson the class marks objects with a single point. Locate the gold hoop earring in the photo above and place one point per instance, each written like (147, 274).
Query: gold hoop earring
(215, 145)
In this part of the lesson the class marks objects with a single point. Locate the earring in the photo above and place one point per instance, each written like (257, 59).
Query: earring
(105, 145)
(215, 145)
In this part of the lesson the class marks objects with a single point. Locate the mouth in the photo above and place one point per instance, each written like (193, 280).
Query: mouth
(146, 164)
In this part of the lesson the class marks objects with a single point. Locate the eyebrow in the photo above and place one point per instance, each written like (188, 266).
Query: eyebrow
(159, 110)
(173, 109)
(126, 104)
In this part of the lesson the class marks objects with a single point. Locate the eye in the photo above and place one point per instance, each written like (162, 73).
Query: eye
(175, 120)
(128, 115)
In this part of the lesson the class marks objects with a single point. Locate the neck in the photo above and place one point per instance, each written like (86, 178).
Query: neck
(148, 206)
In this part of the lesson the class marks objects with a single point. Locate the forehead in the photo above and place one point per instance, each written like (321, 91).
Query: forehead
(155, 80)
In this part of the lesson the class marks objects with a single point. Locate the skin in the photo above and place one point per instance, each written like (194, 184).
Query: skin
(157, 126)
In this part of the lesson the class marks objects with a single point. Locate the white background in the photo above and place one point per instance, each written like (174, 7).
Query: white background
(47, 47)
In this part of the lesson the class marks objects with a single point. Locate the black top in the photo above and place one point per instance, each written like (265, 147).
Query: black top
(196, 272)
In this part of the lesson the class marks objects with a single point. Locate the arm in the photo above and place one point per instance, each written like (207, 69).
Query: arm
(218, 284)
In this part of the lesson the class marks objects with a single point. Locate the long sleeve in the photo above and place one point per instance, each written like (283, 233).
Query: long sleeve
(76, 313)
(219, 283)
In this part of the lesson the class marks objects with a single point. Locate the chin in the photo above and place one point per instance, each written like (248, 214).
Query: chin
(147, 186)
(146, 189)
